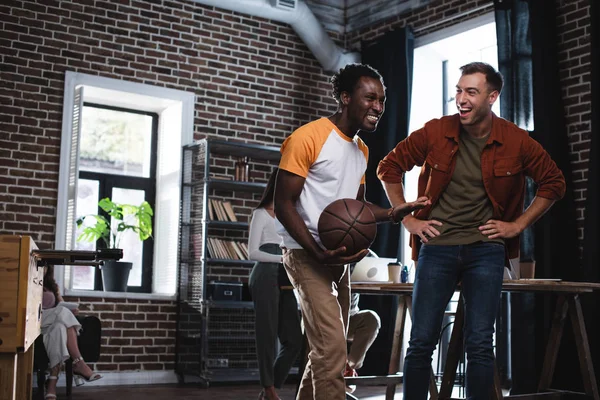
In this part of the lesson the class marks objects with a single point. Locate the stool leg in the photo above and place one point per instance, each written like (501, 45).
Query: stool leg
(394, 365)
(583, 348)
(41, 383)
(69, 376)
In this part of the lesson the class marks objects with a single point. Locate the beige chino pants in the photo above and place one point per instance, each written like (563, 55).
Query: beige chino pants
(324, 293)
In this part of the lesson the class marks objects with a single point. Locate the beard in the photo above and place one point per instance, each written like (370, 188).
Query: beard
(477, 115)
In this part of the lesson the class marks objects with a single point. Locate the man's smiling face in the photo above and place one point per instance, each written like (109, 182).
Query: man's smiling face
(366, 104)
(474, 98)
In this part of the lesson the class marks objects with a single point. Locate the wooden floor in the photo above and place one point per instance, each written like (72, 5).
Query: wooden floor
(188, 392)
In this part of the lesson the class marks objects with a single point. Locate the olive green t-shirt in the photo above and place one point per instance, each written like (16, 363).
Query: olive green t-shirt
(464, 206)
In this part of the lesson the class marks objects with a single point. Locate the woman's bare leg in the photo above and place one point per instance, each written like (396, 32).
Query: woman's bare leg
(80, 367)
(51, 383)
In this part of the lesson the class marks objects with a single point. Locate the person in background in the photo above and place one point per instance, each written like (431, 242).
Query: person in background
(276, 309)
(323, 161)
(363, 327)
(60, 329)
(474, 166)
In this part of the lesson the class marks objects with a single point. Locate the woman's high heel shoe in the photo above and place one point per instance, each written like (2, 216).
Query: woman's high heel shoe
(80, 379)
(49, 396)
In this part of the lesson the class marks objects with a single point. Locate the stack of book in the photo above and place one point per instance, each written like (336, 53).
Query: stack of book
(227, 249)
(222, 210)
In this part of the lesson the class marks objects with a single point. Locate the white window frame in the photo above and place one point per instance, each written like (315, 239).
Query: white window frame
(176, 128)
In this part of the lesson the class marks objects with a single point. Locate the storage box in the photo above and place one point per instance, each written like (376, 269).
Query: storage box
(230, 291)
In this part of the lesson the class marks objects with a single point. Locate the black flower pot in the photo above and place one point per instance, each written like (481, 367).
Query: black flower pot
(115, 275)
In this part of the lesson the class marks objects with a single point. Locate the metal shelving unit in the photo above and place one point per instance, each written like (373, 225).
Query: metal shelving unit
(215, 339)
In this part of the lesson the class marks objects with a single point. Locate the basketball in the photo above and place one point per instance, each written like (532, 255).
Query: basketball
(347, 222)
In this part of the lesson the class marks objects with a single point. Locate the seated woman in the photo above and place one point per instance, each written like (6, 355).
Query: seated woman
(60, 329)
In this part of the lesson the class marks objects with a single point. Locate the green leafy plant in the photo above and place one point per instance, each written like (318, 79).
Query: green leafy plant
(124, 217)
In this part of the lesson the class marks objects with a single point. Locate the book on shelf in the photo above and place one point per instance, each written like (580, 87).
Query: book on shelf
(211, 213)
(216, 210)
(210, 248)
(229, 210)
(222, 210)
(226, 249)
(238, 250)
(222, 249)
(244, 247)
(231, 250)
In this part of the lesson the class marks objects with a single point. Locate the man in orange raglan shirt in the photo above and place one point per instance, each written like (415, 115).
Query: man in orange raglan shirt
(473, 169)
(321, 162)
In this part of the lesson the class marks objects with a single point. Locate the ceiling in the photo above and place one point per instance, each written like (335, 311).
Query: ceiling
(349, 15)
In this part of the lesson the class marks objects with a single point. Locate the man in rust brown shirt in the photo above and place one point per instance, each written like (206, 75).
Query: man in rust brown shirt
(473, 168)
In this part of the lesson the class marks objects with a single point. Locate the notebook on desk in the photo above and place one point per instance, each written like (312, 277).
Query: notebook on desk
(371, 269)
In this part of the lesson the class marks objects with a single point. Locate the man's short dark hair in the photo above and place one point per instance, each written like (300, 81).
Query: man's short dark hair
(347, 78)
(494, 78)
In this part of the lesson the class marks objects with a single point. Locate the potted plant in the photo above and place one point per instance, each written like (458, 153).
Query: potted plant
(122, 218)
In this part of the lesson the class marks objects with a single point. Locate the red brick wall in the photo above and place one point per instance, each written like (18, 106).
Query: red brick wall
(573, 40)
(136, 334)
(254, 80)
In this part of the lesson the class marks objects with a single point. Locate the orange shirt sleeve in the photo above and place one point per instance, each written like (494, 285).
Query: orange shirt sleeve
(301, 149)
(363, 147)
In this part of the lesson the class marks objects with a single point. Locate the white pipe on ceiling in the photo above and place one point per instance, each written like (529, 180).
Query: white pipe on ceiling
(303, 21)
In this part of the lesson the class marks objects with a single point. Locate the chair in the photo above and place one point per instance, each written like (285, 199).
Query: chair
(89, 345)
(443, 341)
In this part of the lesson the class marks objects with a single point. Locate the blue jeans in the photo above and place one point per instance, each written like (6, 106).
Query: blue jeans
(480, 269)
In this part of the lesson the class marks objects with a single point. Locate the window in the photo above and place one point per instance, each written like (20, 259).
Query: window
(117, 159)
(160, 121)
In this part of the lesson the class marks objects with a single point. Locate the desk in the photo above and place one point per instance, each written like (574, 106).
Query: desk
(567, 304)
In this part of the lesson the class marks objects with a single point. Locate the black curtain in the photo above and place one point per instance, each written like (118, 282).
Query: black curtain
(591, 272)
(556, 246)
(515, 64)
(554, 239)
(392, 56)
(514, 61)
(515, 328)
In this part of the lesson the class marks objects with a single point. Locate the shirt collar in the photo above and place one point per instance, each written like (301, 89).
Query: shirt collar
(495, 136)
(497, 133)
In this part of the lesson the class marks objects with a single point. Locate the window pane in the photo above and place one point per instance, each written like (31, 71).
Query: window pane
(87, 203)
(130, 241)
(115, 142)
